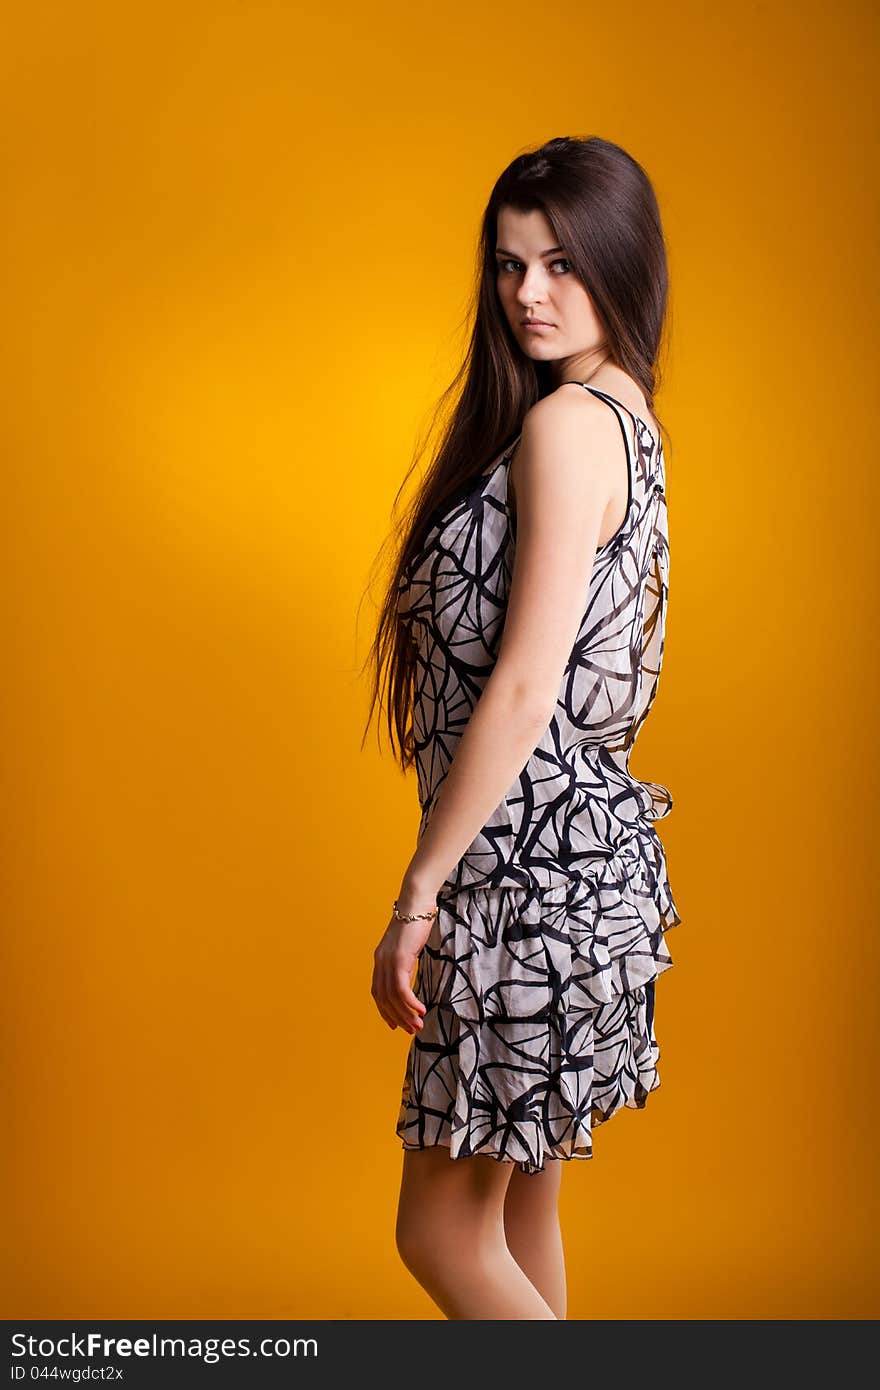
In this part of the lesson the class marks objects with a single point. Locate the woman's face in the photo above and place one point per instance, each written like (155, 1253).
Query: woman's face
(536, 282)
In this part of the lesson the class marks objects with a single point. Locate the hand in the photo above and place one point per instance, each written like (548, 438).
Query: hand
(394, 961)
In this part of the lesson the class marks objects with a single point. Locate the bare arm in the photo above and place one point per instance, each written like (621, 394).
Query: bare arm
(564, 472)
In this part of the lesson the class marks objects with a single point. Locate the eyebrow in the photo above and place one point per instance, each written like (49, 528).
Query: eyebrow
(500, 251)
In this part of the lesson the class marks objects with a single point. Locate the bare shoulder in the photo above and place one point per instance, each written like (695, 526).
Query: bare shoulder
(569, 428)
(567, 412)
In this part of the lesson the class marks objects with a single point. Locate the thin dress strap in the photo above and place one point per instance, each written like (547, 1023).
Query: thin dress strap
(637, 419)
(630, 446)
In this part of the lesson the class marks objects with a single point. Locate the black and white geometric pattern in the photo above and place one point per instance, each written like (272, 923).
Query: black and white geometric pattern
(539, 972)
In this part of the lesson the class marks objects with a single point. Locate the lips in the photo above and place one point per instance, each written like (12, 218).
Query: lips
(536, 323)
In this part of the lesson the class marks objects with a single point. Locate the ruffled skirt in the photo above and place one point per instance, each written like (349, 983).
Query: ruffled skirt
(540, 1011)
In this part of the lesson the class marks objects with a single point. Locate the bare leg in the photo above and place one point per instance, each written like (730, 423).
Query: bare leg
(534, 1238)
(450, 1235)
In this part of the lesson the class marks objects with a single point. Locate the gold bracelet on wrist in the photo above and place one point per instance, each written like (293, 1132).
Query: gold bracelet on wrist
(412, 916)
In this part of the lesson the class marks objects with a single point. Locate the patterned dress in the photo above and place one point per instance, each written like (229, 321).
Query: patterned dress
(538, 975)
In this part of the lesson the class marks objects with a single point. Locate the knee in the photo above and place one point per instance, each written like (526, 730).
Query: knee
(428, 1236)
(411, 1236)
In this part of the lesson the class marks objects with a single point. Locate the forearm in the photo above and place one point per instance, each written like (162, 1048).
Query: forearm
(499, 738)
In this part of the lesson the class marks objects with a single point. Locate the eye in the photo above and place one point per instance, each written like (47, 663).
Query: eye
(504, 262)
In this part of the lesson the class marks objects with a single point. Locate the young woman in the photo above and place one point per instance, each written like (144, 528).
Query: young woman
(522, 639)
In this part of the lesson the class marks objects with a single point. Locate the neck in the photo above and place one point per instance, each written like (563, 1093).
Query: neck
(581, 367)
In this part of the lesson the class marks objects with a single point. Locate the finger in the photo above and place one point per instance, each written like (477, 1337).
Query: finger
(392, 1023)
(406, 996)
(405, 1016)
(390, 1002)
(406, 1019)
(411, 1008)
(410, 1013)
(377, 989)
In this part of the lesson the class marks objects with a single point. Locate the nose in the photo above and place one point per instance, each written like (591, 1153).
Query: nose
(533, 289)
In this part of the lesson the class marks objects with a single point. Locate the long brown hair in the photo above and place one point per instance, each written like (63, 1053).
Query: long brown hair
(603, 211)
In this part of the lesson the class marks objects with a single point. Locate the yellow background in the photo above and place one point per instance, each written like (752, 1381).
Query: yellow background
(239, 241)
